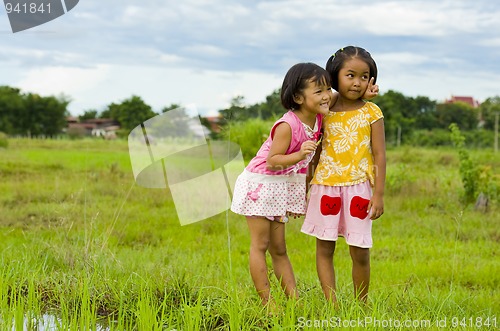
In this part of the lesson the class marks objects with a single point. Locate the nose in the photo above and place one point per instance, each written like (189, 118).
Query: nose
(328, 94)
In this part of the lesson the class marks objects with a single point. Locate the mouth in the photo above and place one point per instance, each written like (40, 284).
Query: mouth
(324, 107)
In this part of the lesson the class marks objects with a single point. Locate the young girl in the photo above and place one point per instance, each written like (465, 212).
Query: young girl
(273, 186)
(351, 164)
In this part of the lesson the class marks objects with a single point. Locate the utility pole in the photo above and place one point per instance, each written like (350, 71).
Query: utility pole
(398, 139)
(496, 131)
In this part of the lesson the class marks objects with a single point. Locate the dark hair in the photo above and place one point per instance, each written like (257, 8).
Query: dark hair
(336, 61)
(296, 79)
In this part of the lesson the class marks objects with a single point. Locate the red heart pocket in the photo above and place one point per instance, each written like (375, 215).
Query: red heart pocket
(330, 205)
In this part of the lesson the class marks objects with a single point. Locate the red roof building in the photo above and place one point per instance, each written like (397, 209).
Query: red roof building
(468, 100)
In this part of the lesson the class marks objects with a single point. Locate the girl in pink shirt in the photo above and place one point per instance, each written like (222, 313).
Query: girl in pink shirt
(273, 185)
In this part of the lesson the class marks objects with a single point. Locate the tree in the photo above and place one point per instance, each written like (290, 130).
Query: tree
(88, 115)
(426, 113)
(11, 105)
(237, 111)
(54, 114)
(488, 109)
(177, 124)
(272, 108)
(129, 113)
(398, 111)
(41, 115)
(460, 113)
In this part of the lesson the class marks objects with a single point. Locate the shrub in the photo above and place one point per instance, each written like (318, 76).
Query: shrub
(428, 138)
(76, 132)
(479, 138)
(469, 171)
(249, 135)
(4, 142)
(439, 137)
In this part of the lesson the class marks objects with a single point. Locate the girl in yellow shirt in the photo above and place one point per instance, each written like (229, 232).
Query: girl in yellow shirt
(347, 189)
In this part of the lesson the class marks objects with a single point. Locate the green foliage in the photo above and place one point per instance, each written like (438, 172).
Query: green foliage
(84, 248)
(460, 113)
(272, 107)
(399, 177)
(31, 114)
(469, 172)
(129, 113)
(249, 135)
(269, 109)
(395, 105)
(4, 142)
(177, 126)
(76, 132)
(488, 109)
(237, 111)
(11, 103)
(88, 115)
(428, 138)
(479, 138)
(439, 137)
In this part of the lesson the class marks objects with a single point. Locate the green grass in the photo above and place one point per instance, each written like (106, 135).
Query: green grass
(80, 242)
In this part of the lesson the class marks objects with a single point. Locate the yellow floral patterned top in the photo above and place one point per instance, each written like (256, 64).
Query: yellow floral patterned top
(346, 158)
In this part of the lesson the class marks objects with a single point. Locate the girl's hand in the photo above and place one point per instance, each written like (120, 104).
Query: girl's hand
(371, 91)
(307, 148)
(376, 206)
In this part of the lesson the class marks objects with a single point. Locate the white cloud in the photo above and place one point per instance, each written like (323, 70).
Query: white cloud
(208, 52)
(95, 88)
(58, 79)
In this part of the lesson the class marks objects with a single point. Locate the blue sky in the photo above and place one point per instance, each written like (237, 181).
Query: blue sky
(204, 53)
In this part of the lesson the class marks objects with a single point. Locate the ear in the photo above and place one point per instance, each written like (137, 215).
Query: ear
(298, 98)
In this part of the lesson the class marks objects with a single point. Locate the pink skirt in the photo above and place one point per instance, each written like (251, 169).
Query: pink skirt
(270, 196)
(335, 211)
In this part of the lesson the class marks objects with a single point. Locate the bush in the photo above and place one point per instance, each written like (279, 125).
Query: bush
(4, 142)
(478, 138)
(428, 138)
(76, 132)
(469, 171)
(249, 135)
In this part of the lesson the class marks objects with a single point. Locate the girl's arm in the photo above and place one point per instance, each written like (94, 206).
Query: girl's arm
(277, 159)
(378, 149)
(333, 100)
(311, 168)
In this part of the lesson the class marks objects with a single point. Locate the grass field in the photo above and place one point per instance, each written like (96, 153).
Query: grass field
(84, 248)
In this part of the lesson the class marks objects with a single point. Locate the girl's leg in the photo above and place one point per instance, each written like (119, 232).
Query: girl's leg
(259, 243)
(360, 271)
(324, 266)
(281, 263)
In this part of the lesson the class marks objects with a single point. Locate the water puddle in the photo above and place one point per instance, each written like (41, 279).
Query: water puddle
(46, 322)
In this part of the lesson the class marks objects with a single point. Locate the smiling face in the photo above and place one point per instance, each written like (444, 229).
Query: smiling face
(353, 79)
(315, 97)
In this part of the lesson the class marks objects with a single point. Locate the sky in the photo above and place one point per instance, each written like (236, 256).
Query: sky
(203, 53)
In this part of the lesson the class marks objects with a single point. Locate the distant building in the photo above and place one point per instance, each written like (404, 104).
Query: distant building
(97, 127)
(468, 100)
(214, 122)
